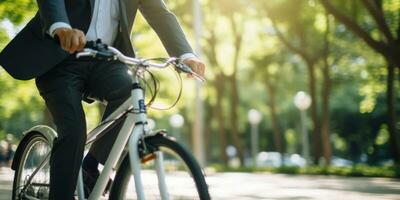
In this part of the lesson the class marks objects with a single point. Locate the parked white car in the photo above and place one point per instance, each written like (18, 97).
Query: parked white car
(274, 159)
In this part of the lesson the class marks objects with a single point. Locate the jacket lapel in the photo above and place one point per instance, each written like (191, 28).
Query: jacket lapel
(123, 14)
(91, 6)
(127, 13)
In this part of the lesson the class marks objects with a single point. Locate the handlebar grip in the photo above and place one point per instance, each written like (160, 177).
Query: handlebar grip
(96, 45)
(90, 44)
(185, 68)
(98, 50)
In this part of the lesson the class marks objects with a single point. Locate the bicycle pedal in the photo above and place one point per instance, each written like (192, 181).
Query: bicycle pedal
(30, 191)
(43, 193)
(148, 158)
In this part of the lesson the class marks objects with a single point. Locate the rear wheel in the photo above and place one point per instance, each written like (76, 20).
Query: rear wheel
(32, 173)
(183, 176)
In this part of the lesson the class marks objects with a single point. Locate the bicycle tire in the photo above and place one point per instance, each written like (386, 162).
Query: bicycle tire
(33, 140)
(124, 174)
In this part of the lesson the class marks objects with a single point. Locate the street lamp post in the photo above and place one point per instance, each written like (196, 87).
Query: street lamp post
(198, 126)
(254, 118)
(176, 121)
(303, 101)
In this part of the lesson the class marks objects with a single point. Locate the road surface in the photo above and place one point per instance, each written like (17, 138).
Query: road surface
(246, 186)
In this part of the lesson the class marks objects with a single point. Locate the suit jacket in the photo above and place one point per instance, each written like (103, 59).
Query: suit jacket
(33, 52)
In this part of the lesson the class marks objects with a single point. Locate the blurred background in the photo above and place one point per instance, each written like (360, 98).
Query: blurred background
(293, 86)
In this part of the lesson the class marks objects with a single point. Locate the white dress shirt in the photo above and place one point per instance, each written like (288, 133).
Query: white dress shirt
(104, 24)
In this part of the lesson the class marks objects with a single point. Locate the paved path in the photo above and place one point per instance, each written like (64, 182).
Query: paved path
(6, 176)
(288, 187)
(245, 186)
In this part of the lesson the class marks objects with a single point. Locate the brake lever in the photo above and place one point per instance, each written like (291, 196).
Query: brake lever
(186, 69)
(86, 52)
(198, 77)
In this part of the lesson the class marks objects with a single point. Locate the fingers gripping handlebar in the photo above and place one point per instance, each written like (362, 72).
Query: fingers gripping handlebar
(97, 50)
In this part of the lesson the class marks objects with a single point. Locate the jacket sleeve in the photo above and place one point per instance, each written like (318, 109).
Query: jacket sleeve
(52, 11)
(166, 26)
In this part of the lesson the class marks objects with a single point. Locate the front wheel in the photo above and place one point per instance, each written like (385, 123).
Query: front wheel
(32, 172)
(183, 176)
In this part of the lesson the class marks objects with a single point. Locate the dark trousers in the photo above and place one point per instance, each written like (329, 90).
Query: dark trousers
(62, 89)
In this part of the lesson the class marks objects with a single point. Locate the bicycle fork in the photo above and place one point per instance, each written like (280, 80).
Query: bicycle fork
(135, 162)
(138, 132)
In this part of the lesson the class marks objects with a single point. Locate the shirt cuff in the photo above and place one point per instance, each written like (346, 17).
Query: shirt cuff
(57, 25)
(187, 56)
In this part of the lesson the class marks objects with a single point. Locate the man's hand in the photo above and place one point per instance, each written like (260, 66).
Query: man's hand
(71, 40)
(196, 65)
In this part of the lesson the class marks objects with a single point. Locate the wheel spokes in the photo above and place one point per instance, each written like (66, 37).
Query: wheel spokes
(33, 181)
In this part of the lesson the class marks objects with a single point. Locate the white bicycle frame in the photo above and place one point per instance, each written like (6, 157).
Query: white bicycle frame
(133, 130)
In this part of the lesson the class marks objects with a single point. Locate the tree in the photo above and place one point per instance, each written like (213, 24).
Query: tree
(264, 68)
(387, 44)
(230, 11)
(306, 41)
(233, 11)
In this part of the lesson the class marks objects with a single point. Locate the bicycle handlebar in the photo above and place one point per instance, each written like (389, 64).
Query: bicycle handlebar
(101, 51)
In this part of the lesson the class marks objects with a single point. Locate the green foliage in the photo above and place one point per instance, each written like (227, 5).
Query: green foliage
(355, 171)
(17, 11)
(350, 171)
(20, 107)
(3, 38)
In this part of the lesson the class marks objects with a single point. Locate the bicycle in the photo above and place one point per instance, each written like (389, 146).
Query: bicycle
(137, 151)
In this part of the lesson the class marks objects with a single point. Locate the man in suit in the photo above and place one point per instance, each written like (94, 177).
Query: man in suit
(62, 80)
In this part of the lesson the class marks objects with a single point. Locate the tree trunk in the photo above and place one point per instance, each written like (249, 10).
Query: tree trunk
(211, 53)
(327, 149)
(274, 118)
(207, 128)
(391, 106)
(234, 117)
(314, 112)
(219, 81)
(326, 87)
(238, 38)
